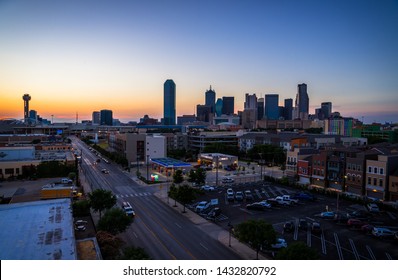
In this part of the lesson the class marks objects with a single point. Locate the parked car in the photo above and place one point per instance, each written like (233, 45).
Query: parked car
(373, 208)
(280, 243)
(80, 225)
(304, 196)
(228, 180)
(380, 232)
(207, 188)
(288, 227)
(361, 214)
(341, 218)
(303, 224)
(230, 195)
(248, 195)
(265, 204)
(214, 213)
(355, 223)
(368, 228)
(256, 206)
(239, 196)
(328, 215)
(202, 206)
(316, 228)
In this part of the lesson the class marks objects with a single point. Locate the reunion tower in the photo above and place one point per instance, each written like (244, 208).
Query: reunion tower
(26, 98)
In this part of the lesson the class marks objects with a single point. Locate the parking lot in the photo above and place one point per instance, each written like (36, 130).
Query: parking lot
(335, 241)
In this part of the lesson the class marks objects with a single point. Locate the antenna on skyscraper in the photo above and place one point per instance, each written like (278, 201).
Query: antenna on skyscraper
(77, 117)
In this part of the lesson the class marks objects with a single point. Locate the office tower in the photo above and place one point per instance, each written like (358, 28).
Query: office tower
(228, 105)
(96, 117)
(210, 99)
(33, 116)
(302, 102)
(326, 108)
(288, 111)
(260, 108)
(169, 102)
(203, 113)
(106, 117)
(219, 107)
(26, 98)
(271, 107)
(250, 101)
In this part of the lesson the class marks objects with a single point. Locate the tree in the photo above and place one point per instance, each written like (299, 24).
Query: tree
(177, 177)
(200, 176)
(109, 245)
(101, 199)
(185, 194)
(114, 221)
(257, 233)
(134, 253)
(81, 208)
(173, 193)
(297, 251)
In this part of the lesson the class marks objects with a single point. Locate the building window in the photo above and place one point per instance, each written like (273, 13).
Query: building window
(380, 182)
(9, 171)
(374, 181)
(359, 168)
(375, 170)
(381, 171)
(370, 169)
(369, 181)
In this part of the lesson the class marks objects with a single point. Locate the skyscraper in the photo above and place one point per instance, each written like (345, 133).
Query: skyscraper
(228, 105)
(326, 108)
(219, 107)
(106, 117)
(210, 99)
(260, 108)
(288, 110)
(271, 106)
(96, 117)
(250, 101)
(302, 102)
(169, 103)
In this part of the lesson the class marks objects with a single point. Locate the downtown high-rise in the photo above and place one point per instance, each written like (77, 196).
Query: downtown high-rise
(169, 103)
(302, 103)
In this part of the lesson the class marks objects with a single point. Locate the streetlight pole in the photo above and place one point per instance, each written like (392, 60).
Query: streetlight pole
(147, 168)
(216, 170)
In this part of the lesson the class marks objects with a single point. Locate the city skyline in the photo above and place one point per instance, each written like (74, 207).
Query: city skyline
(74, 57)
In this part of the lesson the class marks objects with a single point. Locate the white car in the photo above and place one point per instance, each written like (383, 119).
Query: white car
(226, 180)
(202, 206)
(207, 188)
(280, 243)
(265, 204)
(372, 207)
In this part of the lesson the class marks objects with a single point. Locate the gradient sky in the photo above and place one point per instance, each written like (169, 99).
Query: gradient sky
(82, 56)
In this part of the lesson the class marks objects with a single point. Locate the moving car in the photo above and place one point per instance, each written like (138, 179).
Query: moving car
(105, 171)
(128, 209)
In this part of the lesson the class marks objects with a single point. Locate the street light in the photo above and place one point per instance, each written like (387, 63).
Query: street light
(230, 226)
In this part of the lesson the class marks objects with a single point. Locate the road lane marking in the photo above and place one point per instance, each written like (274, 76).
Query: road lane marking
(388, 256)
(178, 225)
(323, 243)
(207, 249)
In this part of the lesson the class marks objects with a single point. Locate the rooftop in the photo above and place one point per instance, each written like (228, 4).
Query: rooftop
(170, 162)
(39, 230)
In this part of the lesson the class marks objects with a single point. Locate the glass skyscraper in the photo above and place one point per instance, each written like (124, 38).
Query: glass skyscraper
(302, 102)
(169, 103)
(271, 106)
(210, 99)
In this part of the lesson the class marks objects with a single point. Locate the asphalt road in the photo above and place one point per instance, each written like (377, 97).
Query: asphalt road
(164, 233)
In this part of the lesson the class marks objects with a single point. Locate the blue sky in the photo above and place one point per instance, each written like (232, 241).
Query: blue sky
(81, 56)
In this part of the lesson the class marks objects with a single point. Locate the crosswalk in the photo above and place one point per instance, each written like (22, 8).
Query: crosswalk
(133, 195)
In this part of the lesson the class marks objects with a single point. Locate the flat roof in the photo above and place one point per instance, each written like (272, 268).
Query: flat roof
(170, 162)
(38, 230)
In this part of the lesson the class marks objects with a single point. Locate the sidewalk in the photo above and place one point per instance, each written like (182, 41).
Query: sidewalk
(211, 229)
